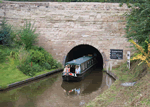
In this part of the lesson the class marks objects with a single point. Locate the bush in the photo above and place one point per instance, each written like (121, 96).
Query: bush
(37, 57)
(28, 70)
(28, 36)
(25, 63)
(36, 68)
(47, 66)
(6, 37)
(40, 56)
(56, 64)
(37, 48)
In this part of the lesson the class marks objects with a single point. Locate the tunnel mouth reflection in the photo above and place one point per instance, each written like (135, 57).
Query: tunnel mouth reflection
(84, 50)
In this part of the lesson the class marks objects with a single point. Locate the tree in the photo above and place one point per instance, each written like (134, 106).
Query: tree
(138, 22)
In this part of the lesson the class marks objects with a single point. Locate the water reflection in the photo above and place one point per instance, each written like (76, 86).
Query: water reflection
(25, 96)
(90, 84)
(52, 92)
(108, 81)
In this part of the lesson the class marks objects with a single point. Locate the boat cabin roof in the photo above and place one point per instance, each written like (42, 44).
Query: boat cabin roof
(79, 61)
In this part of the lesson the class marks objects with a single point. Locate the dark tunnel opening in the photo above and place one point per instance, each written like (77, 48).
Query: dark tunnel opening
(82, 50)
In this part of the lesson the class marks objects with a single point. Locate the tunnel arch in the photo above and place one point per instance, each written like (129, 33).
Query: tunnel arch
(81, 50)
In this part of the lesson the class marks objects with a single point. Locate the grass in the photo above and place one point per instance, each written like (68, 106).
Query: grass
(120, 96)
(10, 74)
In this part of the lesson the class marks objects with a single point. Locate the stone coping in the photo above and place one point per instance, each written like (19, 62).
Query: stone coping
(111, 74)
(30, 79)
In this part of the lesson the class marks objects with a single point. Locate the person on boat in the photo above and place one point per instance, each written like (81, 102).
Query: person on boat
(68, 69)
(65, 69)
(77, 69)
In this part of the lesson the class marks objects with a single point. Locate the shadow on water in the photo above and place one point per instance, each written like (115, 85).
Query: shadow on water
(91, 83)
(28, 92)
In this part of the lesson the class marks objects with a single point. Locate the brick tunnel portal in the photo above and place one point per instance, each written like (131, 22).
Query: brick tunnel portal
(81, 50)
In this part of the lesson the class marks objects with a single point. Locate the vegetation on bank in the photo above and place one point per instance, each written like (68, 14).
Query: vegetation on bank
(19, 58)
(117, 95)
(138, 33)
(137, 95)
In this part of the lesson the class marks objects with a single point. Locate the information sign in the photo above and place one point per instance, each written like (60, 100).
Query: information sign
(116, 54)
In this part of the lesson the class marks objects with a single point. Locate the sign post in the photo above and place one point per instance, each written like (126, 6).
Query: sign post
(114, 54)
(128, 59)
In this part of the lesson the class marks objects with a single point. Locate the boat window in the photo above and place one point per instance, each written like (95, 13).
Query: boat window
(88, 63)
(83, 67)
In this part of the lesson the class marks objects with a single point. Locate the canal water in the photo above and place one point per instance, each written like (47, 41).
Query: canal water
(53, 92)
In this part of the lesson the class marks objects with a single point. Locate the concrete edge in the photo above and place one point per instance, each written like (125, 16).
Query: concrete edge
(111, 74)
(30, 79)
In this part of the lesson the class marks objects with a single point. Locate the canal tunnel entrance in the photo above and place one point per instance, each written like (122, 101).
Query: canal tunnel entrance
(82, 50)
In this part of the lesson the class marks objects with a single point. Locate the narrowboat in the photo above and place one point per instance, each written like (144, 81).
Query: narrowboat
(77, 69)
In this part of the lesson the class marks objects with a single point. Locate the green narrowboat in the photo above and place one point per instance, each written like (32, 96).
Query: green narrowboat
(77, 69)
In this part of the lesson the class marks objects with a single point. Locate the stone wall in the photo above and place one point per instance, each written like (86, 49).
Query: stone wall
(64, 25)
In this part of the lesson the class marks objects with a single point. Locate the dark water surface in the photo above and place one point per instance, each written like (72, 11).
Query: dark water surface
(53, 92)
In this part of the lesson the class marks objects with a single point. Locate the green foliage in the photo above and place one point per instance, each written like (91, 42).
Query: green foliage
(4, 51)
(36, 68)
(27, 69)
(40, 55)
(47, 66)
(40, 58)
(6, 35)
(37, 57)
(28, 36)
(2, 56)
(138, 22)
(56, 64)
(23, 55)
(14, 54)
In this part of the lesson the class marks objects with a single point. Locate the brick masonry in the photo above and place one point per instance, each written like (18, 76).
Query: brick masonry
(62, 25)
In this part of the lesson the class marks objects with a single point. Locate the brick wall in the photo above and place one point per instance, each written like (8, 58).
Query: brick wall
(64, 25)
